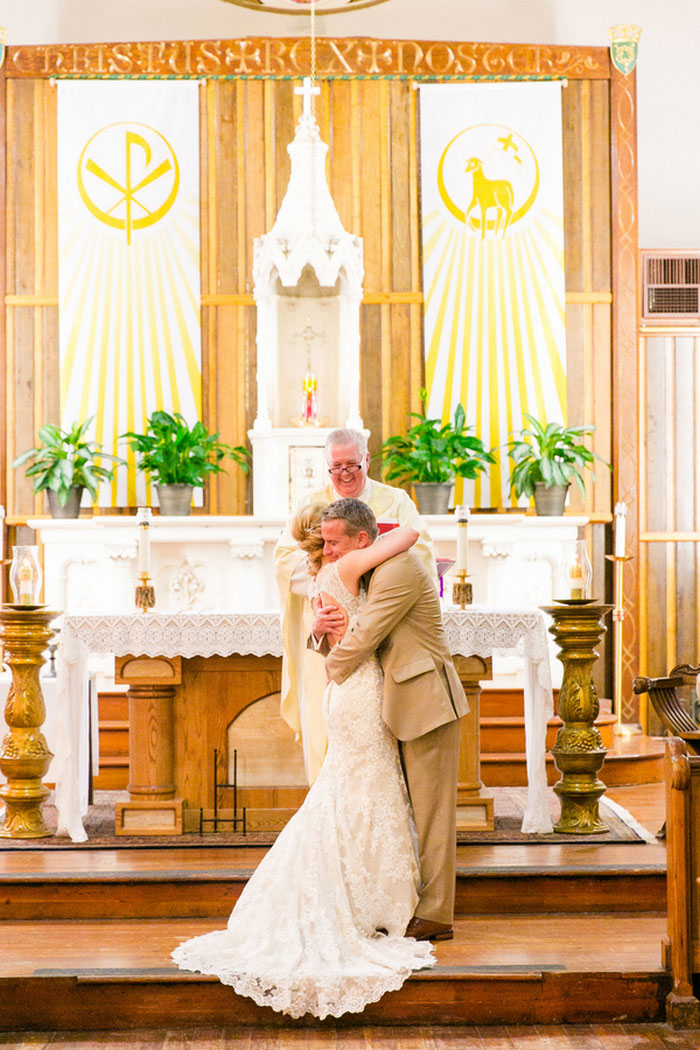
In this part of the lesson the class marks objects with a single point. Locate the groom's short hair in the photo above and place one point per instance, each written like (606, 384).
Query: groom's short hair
(356, 515)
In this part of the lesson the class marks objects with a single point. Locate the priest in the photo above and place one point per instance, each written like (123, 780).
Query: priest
(303, 669)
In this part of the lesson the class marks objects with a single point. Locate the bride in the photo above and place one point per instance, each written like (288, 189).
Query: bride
(319, 927)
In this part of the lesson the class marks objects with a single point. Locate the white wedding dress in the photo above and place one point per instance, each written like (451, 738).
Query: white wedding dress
(303, 937)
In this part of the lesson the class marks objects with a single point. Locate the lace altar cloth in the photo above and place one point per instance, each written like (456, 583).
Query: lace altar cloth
(476, 631)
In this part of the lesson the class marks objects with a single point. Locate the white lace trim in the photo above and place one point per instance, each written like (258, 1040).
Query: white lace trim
(301, 994)
(476, 631)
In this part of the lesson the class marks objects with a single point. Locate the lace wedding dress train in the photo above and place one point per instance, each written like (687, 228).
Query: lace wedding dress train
(303, 937)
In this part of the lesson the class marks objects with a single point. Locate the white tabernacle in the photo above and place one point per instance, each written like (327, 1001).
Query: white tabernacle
(475, 631)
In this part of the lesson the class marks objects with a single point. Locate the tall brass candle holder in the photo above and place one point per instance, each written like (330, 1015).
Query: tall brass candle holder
(578, 750)
(25, 632)
(145, 596)
(462, 589)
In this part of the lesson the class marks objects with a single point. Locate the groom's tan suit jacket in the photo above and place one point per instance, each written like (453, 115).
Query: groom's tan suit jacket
(402, 622)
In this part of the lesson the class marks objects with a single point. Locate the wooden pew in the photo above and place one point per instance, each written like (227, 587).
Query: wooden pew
(668, 704)
(682, 946)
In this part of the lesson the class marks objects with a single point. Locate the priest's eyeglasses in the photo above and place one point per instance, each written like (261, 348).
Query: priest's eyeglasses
(349, 468)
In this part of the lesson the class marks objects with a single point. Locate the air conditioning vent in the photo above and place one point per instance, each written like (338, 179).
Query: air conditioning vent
(671, 287)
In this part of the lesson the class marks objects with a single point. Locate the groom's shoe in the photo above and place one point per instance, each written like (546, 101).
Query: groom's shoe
(427, 930)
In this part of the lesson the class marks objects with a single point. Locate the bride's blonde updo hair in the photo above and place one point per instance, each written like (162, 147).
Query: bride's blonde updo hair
(306, 530)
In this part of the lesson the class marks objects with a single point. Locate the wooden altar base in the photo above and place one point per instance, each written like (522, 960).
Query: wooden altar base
(545, 934)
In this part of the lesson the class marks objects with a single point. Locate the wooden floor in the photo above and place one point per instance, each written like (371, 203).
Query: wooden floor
(534, 1037)
(544, 932)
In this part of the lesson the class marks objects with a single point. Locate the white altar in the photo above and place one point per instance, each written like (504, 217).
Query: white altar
(476, 631)
(225, 564)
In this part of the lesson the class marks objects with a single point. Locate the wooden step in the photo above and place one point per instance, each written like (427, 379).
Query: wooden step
(113, 775)
(114, 740)
(214, 892)
(499, 734)
(508, 702)
(119, 977)
(640, 763)
(113, 706)
(113, 729)
(179, 882)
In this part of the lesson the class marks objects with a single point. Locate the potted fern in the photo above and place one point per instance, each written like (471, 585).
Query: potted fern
(432, 454)
(547, 457)
(179, 458)
(66, 463)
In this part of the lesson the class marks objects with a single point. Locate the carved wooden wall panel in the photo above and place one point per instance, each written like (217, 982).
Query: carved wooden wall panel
(625, 423)
(669, 513)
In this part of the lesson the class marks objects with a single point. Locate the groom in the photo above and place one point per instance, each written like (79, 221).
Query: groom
(423, 699)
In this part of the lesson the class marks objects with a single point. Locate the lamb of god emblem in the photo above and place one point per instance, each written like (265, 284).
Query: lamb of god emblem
(488, 178)
(128, 176)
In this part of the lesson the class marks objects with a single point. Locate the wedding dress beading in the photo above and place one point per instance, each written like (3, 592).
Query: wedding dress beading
(303, 937)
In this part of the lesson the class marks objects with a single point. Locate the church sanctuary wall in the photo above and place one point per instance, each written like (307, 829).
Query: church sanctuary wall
(367, 114)
(669, 511)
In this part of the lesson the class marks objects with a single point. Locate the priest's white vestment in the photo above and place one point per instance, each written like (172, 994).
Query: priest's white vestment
(303, 669)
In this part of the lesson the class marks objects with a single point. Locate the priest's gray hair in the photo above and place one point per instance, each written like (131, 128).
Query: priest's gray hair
(356, 515)
(346, 436)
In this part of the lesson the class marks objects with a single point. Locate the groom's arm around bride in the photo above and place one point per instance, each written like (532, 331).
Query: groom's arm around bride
(422, 704)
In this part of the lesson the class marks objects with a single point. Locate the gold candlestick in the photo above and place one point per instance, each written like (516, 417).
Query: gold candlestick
(578, 750)
(145, 594)
(618, 617)
(462, 590)
(24, 755)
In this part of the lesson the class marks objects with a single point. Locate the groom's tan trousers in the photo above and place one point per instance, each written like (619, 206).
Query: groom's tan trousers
(431, 767)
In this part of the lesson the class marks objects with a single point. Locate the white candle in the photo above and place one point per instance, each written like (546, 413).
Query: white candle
(462, 539)
(26, 585)
(620, 516)
(143, 518)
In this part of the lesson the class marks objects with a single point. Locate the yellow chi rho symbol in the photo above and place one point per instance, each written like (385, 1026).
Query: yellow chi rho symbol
(128, 176)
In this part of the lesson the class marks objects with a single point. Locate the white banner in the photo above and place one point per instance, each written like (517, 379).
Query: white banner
(129, 261)
(493, 260)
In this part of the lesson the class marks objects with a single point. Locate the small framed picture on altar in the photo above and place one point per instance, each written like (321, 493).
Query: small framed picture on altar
(307, 473)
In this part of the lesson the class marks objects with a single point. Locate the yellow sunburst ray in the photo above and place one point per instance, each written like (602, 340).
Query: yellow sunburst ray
(439, 322)
(557, 370)
(546, 270)
(454, 346)
(447, 241)
(78, 313)
(178, 294)
(531, 353)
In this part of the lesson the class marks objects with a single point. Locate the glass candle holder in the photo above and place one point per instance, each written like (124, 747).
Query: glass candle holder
(25, 575)
(580, 572)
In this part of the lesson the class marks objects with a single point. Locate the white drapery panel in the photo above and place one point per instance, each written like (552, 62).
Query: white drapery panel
(129, 260)
(493, 259)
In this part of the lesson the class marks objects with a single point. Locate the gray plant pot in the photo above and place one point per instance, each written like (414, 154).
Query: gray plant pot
(175, 500)
(433, 497)
(550, 502)
(72, 507)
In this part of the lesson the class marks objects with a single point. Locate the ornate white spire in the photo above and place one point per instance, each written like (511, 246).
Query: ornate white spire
(308, 230)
